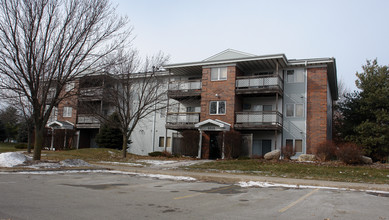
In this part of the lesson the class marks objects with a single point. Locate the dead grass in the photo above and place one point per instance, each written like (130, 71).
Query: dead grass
(320, 171)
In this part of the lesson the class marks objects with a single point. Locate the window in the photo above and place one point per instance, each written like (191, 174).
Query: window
(161, 141)
(294, 110)
(218, 73)
(298, 146)
(217, 107)
(289, 110)
(294, 76)
(267, 108)
(168, 141)
(289, 142)
(67, 112)
(299, 110)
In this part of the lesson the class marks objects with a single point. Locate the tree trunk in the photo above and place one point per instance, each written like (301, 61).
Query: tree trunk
(29, 141)
(124, 146)
(39, 133)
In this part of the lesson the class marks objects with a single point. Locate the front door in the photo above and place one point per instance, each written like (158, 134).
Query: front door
(266, 146)
(214, 149)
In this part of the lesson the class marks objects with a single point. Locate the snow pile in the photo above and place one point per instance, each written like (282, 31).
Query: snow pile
(157, 162)
(11, 159)
(74, 163)
(267, 184)
(44, 165)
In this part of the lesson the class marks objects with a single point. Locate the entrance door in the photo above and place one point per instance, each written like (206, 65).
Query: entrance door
(266, 146)
(257, 147)
(214, 150)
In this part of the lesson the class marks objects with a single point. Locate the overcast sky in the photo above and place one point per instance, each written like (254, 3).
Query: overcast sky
(350, 31)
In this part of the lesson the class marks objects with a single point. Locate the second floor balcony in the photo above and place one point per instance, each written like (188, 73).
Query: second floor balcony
(182, 120)
(258, 120)
(180, 89)
(259, 84)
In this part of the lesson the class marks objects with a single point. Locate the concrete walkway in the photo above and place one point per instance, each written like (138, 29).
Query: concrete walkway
(231, 178)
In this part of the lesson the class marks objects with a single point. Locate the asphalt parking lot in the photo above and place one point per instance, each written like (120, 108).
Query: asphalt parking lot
(119, 196)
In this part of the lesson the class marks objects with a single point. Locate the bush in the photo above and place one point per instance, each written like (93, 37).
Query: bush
(160, 154)
(21, 146)
(288, 151)
(325, 151)
(350, 153)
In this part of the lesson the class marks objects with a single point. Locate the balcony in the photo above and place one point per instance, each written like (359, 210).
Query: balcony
(258, 120)
(87, 121)
(181, 89)
(259, 84)
(182, 120)
(91, 93)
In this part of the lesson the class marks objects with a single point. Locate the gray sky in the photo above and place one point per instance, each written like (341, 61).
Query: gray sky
(350, 31)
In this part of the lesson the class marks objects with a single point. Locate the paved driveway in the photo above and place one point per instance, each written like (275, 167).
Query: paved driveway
(118, 196)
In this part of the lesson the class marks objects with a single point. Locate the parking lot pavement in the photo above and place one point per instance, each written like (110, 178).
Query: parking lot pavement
(118, 196)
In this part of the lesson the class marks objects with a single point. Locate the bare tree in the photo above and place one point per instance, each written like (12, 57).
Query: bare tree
(137, 89)
(45, 44)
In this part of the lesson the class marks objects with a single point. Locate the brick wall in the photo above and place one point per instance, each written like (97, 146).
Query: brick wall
(316, 107)
(226, 92)
(69, 102)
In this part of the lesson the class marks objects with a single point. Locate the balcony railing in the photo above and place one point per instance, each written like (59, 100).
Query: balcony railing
(184, 88)
(87, 119)
(91, 92)
(259, 120)
(182, 120)
(248, 84)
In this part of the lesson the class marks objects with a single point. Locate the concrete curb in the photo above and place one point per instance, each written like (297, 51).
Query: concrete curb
(230, 178)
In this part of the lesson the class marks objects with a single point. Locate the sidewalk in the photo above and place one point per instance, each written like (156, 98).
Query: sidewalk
(232, 178)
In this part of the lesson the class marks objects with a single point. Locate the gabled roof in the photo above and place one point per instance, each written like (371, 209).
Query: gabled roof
(215, 122)
(229, 54)
(60, 125)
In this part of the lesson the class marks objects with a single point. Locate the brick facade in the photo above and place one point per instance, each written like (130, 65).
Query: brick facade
(225, 90)
(316, 107)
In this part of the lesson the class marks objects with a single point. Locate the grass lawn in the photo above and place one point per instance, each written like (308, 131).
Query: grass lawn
(327, 171)
(8, 147)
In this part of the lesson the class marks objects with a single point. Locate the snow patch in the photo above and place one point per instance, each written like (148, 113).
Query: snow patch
(157, 162)
(157, 176)
(11, 159)
(121, 163)
(74, 163)
(268, 184)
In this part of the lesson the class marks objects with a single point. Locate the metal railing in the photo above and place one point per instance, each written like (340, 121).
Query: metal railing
(259, 117)
(244, 82)
(87, 119)
(91, 91)
(186, 85)
(183, 117)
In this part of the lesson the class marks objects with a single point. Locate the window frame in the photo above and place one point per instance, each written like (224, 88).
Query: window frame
(161, 138)
(293, 76)
(67, 112)
(219, 78)
(294, 109)
(217, 107)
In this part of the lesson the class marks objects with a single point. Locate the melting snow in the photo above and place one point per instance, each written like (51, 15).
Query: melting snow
(11, 159)
(157, 162)
(121, 163)
(157, 176)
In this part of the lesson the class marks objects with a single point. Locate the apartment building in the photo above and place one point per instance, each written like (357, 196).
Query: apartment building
(270, 100)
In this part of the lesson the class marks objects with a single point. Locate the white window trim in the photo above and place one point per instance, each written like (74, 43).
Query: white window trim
(294, 77)
(218, 73)
(67, 112)
(217, 108)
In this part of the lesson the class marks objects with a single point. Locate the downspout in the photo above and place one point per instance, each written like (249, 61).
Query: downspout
(306, 107)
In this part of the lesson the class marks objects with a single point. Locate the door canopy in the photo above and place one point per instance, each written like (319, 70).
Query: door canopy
(213, 125)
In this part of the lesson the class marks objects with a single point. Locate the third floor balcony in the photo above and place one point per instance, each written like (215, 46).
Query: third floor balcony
(259, 84)
(185, 88)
